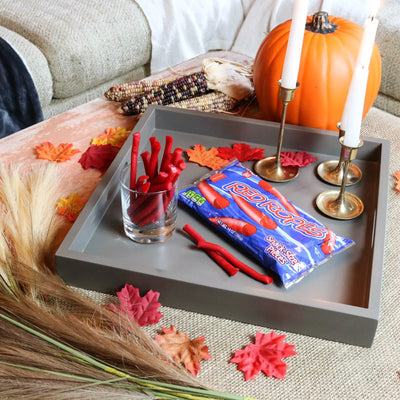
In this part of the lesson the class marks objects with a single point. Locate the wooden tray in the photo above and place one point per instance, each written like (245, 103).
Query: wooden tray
(337, 301)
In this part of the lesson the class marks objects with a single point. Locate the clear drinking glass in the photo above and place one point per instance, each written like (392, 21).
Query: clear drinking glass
(147, 217)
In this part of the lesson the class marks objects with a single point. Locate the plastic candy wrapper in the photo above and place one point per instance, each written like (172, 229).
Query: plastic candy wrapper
(257, 217)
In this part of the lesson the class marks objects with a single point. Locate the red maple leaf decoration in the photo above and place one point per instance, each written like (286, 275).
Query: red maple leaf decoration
(144, 310)
(98, 156)
(241, 151)
(264, 355)
(299, 159)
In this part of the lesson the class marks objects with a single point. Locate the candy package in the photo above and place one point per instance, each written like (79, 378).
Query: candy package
(257, 217)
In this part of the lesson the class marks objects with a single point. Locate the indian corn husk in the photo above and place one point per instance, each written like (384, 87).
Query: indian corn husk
(211, 102)
(182, 88)
(127, 90)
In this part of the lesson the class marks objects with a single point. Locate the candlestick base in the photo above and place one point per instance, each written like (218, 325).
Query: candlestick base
(332, 172)
(340, 204)
(270, 170)
(348, 206)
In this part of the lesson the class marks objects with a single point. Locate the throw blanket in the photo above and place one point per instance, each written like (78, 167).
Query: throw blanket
(181, 30)
(19, 101)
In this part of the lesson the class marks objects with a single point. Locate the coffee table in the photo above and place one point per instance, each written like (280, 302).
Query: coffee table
(322, 369)
(79, 125)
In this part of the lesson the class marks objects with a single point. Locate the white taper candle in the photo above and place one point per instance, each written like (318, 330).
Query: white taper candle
(295, 44)
(354, 106)
(367, 42)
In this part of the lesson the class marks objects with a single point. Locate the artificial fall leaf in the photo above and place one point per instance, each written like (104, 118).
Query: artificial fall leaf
(98, 156)
(206, 158)
(397, 184)
(264, 355)
(241, 151)
(299, 159)
(144, 309)
(70, 206)
(183, 350)
(114, 136)
(63, 152)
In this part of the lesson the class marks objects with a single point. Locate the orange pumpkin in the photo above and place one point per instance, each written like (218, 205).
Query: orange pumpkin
(329, 54)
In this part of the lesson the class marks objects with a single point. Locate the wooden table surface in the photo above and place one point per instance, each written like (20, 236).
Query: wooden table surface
(79, 125)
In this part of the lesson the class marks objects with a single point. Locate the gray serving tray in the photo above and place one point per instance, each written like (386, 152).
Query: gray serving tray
(338, 301)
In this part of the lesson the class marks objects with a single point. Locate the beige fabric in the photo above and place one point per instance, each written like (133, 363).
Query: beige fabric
(322, 370)
(86, 43)
(57, 106)
(35, 61)
(388, 41)
(388, 104)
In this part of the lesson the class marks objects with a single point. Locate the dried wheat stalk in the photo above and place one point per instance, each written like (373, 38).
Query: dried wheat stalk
(55, 343)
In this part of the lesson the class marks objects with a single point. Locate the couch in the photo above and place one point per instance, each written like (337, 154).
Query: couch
(76, 51)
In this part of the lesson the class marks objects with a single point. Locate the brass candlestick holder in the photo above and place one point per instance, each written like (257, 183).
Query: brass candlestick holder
(270, 168)
(340, 204)
(332, 171)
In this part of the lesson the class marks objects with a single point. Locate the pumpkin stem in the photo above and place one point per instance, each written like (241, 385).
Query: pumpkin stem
(320, 23)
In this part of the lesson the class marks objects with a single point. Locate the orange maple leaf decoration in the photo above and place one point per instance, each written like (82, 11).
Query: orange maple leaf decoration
(63, 152)
(207, 158)
(71, 206)
(183, 350)
(397, 183)
(114, 136)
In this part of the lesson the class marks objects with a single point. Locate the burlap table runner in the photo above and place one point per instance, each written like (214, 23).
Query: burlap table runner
(322, 370)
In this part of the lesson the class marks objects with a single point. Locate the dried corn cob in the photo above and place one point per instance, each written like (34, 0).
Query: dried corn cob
(211, 102)
(182, 88)
(125, 91)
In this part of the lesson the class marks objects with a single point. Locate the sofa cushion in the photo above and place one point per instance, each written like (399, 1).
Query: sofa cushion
(58, 106)
(388, 41)
(35, 62)
(86, 43)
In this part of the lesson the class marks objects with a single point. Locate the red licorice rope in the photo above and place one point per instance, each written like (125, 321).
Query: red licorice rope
(167, 156)
(224, 258)
(155, 150)
(145, 209)
(232, 259)
(221, 261)
(134, 158)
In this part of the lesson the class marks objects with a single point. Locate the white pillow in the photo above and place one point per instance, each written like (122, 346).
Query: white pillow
(183, 29)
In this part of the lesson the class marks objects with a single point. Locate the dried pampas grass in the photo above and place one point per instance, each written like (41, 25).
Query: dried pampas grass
(55, 343)
(29, 224)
